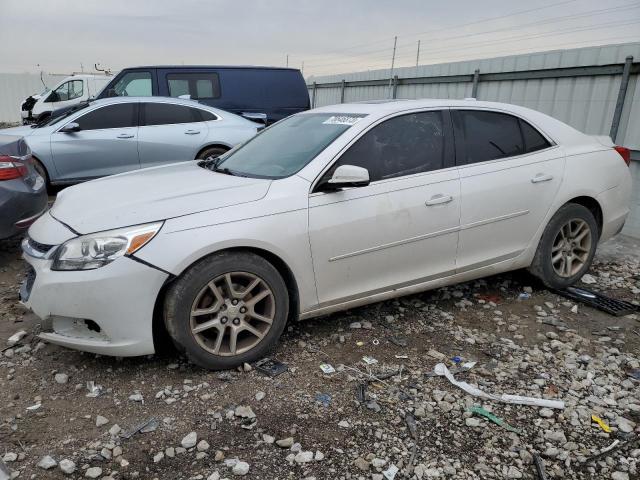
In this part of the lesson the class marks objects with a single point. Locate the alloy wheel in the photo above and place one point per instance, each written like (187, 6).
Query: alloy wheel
(232, 313)
(571, 248)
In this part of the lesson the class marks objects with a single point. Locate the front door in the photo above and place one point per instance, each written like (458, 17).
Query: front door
(401, 229)
(106, 144)
(169, 133)
(509, 176)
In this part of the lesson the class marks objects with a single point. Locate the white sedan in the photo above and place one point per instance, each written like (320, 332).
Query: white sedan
(323, 211)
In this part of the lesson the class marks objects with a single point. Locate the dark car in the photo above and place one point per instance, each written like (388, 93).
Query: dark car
(255, 92)
(23, 193)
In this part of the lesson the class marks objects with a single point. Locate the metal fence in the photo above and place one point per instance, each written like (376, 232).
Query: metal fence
(594, 89)
(15, 87)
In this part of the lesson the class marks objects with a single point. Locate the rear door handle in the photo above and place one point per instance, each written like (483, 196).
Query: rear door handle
(125, 135)
(541, 177)
(191, 132)
(438, 199)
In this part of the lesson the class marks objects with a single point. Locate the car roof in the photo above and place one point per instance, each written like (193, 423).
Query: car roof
(180, 101)
(219, 67)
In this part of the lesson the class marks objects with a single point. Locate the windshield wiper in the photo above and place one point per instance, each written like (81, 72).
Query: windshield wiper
(214, 165)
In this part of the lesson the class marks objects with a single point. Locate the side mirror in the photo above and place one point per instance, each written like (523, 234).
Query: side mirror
(70, 127)
(347, 176)
(255, 117)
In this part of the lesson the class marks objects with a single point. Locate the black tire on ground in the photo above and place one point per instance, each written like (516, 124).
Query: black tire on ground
(42, 171)
(183, 292)
(211, 153)
(542, 265)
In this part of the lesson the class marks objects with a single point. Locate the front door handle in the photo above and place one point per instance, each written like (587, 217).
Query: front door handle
(438, 199)
(125, 135)
(541, 177)
(192, 132)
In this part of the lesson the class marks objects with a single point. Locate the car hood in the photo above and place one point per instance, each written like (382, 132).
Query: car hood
(152, 194)
(22, 131)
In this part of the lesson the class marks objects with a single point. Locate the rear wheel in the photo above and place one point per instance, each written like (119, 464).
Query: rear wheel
(42, 171)
(567, 247)
(227, 309)
(211, 153)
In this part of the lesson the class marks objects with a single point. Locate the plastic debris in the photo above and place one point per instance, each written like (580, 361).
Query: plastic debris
(327, 368)
(391, 472)
(456, 359)
(16, 337)
(597, 300)
(369, 360)
(361, 392)
(524, 296)
(94, 390)
(497, 420)
(147, 426)
(442, 370)
(324, 399)
(271, 367)
(359, 343)
(35, 407)
(539, 464)
(599, 421)
(635, 374)
(401, 357)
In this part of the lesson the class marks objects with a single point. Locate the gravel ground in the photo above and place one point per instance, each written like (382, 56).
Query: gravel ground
(364, 421)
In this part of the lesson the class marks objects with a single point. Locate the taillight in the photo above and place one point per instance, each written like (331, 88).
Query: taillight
(10, 169)
(625, 153)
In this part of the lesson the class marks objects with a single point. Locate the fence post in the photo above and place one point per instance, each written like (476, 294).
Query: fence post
(474, 87)
(624, 82)
(313, 96)
(395, 86)
(342, 91)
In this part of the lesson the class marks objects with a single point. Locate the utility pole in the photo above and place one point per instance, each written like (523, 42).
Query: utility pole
(418, 54)
(302, 69)
(287, 59)
(393, 61)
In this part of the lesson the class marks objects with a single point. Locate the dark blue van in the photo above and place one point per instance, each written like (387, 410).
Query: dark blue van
(257, 93)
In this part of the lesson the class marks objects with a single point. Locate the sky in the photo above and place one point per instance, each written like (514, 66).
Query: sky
(329, 36)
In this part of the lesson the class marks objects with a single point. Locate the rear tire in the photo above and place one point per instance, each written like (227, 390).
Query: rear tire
(567, 247)
(42, 171)
(227, 309)
(211, 153)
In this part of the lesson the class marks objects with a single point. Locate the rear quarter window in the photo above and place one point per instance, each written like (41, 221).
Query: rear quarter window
(198, 86)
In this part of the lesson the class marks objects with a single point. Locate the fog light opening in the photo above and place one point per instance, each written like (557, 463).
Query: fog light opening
(92, 326)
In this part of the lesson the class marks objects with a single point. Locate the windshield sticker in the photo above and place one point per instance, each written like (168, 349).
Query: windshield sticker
(341, 120)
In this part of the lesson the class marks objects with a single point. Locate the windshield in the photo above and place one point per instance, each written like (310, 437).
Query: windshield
(287, 146)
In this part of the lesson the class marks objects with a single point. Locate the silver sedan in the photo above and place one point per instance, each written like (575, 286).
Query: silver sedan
(116, 135)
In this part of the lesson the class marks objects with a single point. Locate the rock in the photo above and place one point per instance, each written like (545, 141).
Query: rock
(117, 451)
(378, 462)
(268, 438)
(362, 464)
(513, 472)
(67, 466)
(546, 413)
(158, 457)
(588, 279)
(61, 378)
(343, 424)
(16, 337)
(285, 442)
(202, 446)
(555, 436)
(136, 397)
(218, 456)
(625, 425)
(318, 456)
(214, 476)
(304, 457)
(472, 422)
(189, 440)
(619, 476)
(47, 462)
(240, 468)
(93, 472)
(100, 421)
(10, 457)
(244, 412)
(260, 396)
(115, 430)
(246, 367)
(170, 452)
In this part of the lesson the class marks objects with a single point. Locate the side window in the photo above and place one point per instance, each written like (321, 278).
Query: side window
(400, 146)
(206, 116)
(133, 84)
(486, 136)
(60, 94)
(111, 116)
(167, 113)
(75, 89)
(197, 85)
(533, 140)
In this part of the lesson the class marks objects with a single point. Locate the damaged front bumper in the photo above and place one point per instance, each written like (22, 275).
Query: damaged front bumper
(107, 311)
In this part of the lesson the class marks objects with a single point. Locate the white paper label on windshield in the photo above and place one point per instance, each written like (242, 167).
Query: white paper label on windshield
(341, 120)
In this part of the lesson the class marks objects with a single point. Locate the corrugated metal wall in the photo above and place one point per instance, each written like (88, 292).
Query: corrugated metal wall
(15, 87)
(585, 102)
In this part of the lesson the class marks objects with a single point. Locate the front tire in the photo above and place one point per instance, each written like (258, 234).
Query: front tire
(567, 247)
(211, 153)
(227, 309)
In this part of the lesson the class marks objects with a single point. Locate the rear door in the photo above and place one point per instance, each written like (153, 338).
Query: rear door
(509, 175)
(106, 144)
(169, 133)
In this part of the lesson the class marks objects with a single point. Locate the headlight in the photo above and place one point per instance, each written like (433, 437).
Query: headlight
(98, 249)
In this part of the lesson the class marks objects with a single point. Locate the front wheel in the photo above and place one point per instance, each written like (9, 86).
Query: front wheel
(211, 153)
(227, 309)
(567, 247)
